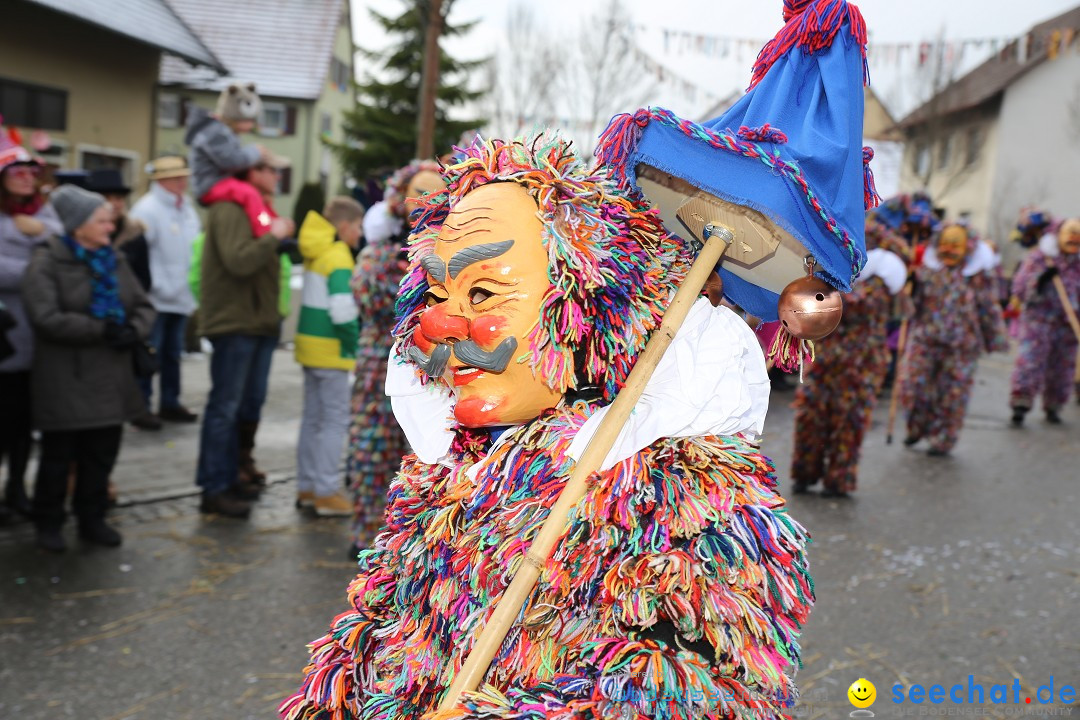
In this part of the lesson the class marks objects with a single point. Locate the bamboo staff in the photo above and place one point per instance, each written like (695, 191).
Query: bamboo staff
(901, 344)
(1070, 314)
(506, 611)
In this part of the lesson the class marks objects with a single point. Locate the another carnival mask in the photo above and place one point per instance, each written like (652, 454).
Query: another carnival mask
(1069, 237)
(952, 246)
(422, 183)
(487, 280)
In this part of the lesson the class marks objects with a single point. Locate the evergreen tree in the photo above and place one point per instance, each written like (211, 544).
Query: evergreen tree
(381, 130)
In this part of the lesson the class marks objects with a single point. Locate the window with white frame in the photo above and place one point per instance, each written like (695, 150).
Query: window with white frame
(168, 110)
(921, 159)
(945, 152)
(326, 124)
(95, 157)
(975, 141)
(275, 119)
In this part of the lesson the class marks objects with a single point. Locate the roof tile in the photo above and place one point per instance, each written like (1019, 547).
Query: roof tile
(283, 46)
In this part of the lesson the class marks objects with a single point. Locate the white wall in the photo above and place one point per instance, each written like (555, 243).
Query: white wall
(1039, 153)
(888, 157)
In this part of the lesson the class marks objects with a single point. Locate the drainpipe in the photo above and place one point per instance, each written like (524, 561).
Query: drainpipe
(308, 141)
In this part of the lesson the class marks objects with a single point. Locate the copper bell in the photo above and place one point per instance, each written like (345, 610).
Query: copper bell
(810, 308)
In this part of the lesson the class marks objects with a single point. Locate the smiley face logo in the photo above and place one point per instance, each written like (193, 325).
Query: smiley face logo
(862, 693)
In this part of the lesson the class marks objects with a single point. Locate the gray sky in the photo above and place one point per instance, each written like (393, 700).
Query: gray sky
(889, 21)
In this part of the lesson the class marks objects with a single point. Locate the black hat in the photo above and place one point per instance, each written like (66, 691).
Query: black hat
(107, 182)
(72, 177)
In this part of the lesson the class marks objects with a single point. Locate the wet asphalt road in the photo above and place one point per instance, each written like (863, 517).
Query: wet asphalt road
(936, 570)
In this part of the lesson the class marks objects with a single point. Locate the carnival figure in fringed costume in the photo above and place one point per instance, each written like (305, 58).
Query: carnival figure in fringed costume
(376, 442)
(679, 585)
(680, 571)
(957, 318)
(834, 404)
(1047, 359)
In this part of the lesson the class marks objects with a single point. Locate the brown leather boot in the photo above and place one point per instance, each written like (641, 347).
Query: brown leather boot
(248, 472)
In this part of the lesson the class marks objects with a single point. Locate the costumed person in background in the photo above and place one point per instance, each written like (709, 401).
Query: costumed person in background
(1047, 358)
(388, 219)
(26, 221)
(834, 405)
(1030, 228)
(957, 318)
(376, 442)
(908, 219)
(533, 288)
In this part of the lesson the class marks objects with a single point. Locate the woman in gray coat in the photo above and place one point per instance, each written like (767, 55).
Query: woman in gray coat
(88, 313)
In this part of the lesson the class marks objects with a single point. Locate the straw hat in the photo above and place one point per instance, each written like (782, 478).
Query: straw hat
(169, 166)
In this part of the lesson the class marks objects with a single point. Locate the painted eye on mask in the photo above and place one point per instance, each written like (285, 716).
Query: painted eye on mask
(431, 298)
(478, 295)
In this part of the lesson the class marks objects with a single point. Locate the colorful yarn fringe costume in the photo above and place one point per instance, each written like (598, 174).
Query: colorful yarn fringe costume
(1047, 358)
(957, 318)
(834, 405)
(376, 443)
(680, 585)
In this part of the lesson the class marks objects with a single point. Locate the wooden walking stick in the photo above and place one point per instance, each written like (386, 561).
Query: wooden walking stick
(717, 239)
(894, 396)
(1070, 314)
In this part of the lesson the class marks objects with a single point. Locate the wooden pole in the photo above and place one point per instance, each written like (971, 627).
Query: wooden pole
(506, 611)
(1070, 314)
(429, 81)
(1074, 323)
(894, 396)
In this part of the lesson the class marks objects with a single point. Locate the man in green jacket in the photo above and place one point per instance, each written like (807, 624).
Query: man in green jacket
(238, 313)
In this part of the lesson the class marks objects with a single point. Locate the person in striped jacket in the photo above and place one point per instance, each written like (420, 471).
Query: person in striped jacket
(326, 339)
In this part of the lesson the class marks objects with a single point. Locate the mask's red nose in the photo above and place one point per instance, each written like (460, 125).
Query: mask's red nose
(440, 327)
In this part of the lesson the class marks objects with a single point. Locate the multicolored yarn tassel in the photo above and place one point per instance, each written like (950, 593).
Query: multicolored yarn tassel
(765, 133)
(789, 353)
(812, 25)
(871, 199)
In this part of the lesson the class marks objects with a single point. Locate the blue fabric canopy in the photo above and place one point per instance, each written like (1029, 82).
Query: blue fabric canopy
(803, 121)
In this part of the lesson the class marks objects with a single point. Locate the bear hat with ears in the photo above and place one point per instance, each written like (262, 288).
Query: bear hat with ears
(238, 102)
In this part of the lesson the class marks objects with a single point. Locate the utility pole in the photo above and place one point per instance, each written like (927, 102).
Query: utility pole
(429, 79)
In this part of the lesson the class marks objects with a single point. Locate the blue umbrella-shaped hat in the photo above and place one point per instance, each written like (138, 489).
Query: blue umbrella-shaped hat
(784, 167)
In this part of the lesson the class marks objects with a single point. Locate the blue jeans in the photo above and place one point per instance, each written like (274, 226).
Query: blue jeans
(167, 337)
(239, 374)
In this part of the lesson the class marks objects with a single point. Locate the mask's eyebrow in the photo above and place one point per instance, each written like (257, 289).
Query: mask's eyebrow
(464, 258)
(434, 266)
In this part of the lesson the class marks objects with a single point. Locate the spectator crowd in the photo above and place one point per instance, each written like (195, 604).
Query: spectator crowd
(97, 300)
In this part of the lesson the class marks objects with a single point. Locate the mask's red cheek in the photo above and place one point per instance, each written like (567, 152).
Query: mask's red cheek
(478, 411)
(488, 330)
(425, 345)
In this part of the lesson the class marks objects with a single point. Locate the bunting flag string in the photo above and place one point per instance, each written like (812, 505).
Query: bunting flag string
(1052, 43)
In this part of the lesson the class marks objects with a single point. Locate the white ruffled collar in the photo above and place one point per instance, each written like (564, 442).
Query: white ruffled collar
(711, 381)
(980, 259)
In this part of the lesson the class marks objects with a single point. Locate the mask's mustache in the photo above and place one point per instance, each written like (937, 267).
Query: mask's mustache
(468, 352)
